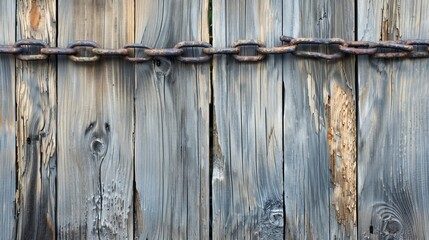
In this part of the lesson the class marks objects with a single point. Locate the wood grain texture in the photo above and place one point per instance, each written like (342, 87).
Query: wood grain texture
(95, 124)
(7, 125)
(36, 125)
(172, 120)
(319, 130)
(247, 178)
(393, 126)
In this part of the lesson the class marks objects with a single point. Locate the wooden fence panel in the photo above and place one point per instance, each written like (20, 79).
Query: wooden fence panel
(247, 180)
(36, 125)
(95, 124)
(172, 120)
(7, 124)
(319, 127)
(141, 153)
(393, 183)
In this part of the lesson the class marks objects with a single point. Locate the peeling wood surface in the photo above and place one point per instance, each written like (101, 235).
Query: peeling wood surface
(172, 125)
(393, 183)
(7, 125)
(341, 132)
(36, 125)
(95, 124)
(247, 179)
(319, 127)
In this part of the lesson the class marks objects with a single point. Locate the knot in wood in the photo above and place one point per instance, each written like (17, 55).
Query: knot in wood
(97, 145)
(162, 67)
(392, 227)
(276, 217)
(97, 136)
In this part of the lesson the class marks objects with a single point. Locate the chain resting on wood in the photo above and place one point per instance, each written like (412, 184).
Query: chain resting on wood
(90, 51)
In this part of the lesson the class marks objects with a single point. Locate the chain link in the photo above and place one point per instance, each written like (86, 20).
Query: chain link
(135, 58)
(80, 45)
(318, 41)
(29, 43)
(248, 43)
(242, 50)
(193, 44)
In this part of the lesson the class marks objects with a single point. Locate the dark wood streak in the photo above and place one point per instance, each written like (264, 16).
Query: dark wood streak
(36, 125)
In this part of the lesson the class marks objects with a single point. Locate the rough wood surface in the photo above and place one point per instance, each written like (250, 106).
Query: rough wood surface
(7, 125)
(247, 177)
(172, 119)
(36, 125)
(282, 146)
(393, 126)
(95, 124)
(319, 127)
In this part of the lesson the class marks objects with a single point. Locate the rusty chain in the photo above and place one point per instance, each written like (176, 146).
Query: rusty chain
(242, 50)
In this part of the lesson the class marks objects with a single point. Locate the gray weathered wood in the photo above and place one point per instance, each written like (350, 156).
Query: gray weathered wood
(95, 124)
(319, 127)
(172, 119)
(7, 124)
(393, 126)
(36, 125)
(247, 178)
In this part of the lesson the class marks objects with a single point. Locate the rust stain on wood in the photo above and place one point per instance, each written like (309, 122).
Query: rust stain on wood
(51, 226)
(341, 116)
(309, 230)
(34, 15)
(390, 18)
(138, 220)
(385, 30)
(288, 230)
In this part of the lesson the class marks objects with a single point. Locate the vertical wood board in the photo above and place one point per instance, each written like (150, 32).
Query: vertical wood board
(7, 124)
(393, 126)
(36, 125)
(247, 179)
(172, 120)
(95, 124)
(319, 130)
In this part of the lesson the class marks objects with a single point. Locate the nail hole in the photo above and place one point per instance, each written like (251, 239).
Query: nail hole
(107, 127)
(158, 62)
(371, 229)
(28, 140)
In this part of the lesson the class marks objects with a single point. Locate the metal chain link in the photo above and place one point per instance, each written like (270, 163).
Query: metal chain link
(200, 52)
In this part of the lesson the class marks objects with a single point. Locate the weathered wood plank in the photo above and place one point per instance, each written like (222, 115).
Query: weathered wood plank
(7, 124)
(393, 126)
(247, 179)
(319, 127)
(36, 125)
(172, 119)
(95, 124)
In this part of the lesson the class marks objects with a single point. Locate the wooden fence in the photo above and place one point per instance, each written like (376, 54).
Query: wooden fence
(284, 149)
